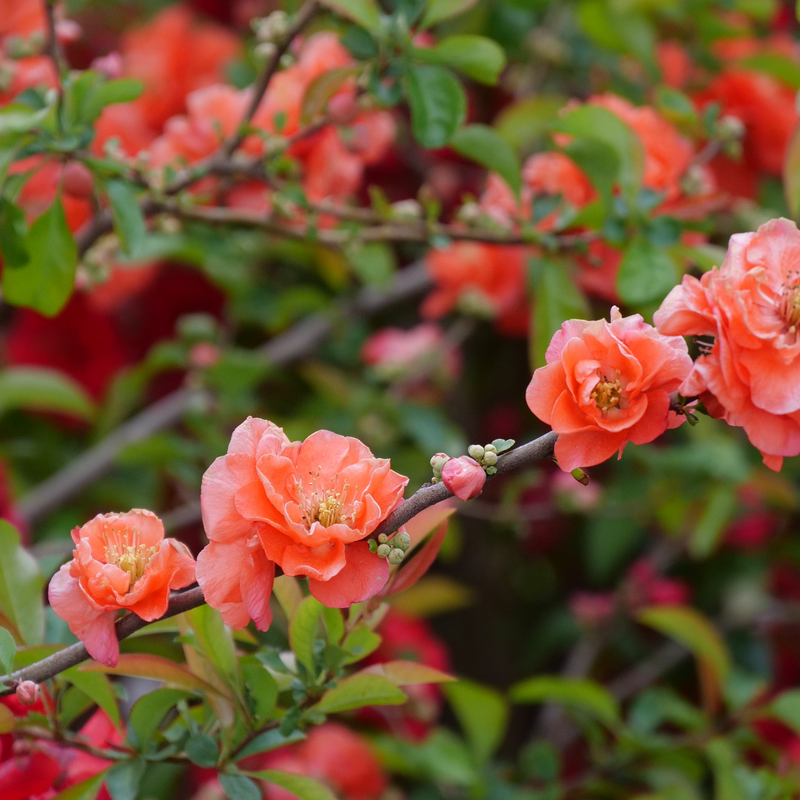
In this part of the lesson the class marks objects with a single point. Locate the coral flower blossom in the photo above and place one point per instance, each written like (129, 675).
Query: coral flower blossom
(607, 384)
(121, 561)
(750, 376)
(305, 506)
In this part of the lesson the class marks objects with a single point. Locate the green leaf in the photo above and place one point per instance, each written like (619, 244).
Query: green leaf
(303, 632)
(7, 719)
(695, 632)
(593, 122)
(85, 790)
(239, 787)
(215, 640)
(8, 649)
(443, 9)
(374, 263)
(601, 164)
(407, 673)
(300, 786)
(438, 104)
(128, 218)
(106, 94)
(784, 69)
(791, 174)
(21, 587)
(577, 693)
(360, 642)
(18, 117)
(322, 89)
(41, 389)
(482, 713)
(261, 686)
(364, 12)
(122, 780)
(98, 688)
(478, 57)
(358, 691)
(149, 711)
(719, 509)
(724, 762)
(621, 31)
(485, 146)
(786, 707)
(269, 740)
(45, 282)
(522, 123)
(675, 105)
(289, 594)
(556, 299)
(202, 750)
(334, 624)
(13, 233)
(144, 665)
(646, 274)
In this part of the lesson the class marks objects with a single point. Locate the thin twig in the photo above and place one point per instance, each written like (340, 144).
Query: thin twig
(53, 46)
(301, 19)
(192, 598)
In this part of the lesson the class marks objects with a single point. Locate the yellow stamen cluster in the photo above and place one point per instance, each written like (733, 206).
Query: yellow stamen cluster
(789, 307)
(124, 550)
(607, 394)
(326, 506)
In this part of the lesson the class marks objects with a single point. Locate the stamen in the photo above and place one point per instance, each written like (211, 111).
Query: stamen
(124, 550)
(326, 506)
(607, 394)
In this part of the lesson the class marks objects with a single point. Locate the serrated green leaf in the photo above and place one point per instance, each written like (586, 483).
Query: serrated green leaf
(358, 691)
(202, 750)
(41, 389)
(18, 117)
(8, 649)
(438, 104)
(444, 9)
(149, 711)
(98, 688)
(120, 91)
(13, 233)
(594, 122)
(360, 642)
(485, 146)
(556, 298)
(478, 57)
(364, 12)
(578, 693)
(301, 786)
(128, 218)
(85, 790)
(695, 632)
(215, 640)
(239, 787)
(122, 780)
(646, 274)
(261, 686)
(45, 282)
(334, 624)
(482, 713)
(269, 740)
(303, 632)
(21, 586)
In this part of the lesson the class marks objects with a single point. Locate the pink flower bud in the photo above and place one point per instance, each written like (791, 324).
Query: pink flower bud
(77, 180)
(204, 355)
(464, 477)
(27, 692)
(342, 108)
(109, 66)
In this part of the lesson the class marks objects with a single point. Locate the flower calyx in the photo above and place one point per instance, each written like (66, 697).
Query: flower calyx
(392, 547)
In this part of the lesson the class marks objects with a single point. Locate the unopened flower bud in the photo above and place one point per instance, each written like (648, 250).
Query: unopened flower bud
(342, 108)
(439, 460)
(77, 180)
(27, 692)
(204, 355)
(402, 540)
(396, 555)
(67, 30)
(109, 66)
(464, 477)
(383, 538)
(469, 213)
(490, 448)
(407, 209)
(580, 476)
(730, 127)
(265, 51)
(489, 458)
(384, 550)
(476, 451)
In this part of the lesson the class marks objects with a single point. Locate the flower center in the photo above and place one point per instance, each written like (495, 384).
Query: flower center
(326, 506)
(790, 304)
(607, 394)
(124, 550)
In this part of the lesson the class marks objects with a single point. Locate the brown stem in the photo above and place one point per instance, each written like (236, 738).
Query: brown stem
(53, 46)
(302, 18)
(192, 598)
